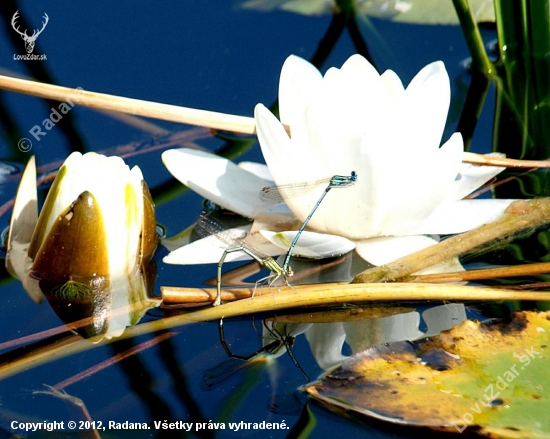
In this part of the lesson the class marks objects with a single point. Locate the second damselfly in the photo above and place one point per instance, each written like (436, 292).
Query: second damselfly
(207, 226)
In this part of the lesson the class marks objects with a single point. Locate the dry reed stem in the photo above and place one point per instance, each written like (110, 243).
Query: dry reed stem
(520, 216)
(191, 116)
(484, 273)
(332, 293)
(135, 107)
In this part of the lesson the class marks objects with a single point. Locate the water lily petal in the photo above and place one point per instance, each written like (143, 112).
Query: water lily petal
(393, 86)
(394, 205)
(296, 85)
(25, 208)
(461, 216)
(326, 341)
(363, 334)
(471, 177)
(440, 318)
(22, 224)
(258, 169)
(380, 251)
(311, 244)
(284, 159)
(217, 179)
(427, 102)
(449, 266)
(209, 250)
(346, 107)
(278, 218)
(20, 265)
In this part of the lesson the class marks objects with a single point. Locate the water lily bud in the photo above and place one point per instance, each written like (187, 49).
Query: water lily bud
(93, 220)
(95, 234)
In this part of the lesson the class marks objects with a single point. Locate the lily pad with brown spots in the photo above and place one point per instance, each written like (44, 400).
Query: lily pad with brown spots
(492, 377)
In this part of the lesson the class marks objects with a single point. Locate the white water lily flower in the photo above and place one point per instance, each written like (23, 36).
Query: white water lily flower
(354, 119)
(94, 235)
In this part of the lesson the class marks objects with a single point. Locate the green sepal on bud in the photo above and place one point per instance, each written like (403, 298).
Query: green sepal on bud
(149, 236)
(75, 249)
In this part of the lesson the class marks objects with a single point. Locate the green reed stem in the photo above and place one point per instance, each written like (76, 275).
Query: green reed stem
(480, 60)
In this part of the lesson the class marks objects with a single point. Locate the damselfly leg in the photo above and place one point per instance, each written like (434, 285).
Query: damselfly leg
(239, 243)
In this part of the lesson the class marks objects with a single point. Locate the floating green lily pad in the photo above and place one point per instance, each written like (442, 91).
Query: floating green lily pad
(406, 11)
(492, 377)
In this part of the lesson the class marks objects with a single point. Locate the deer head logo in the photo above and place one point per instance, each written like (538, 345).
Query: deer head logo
(29, 40)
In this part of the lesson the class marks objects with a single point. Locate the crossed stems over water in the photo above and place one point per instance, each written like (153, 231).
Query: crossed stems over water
(284, 271)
